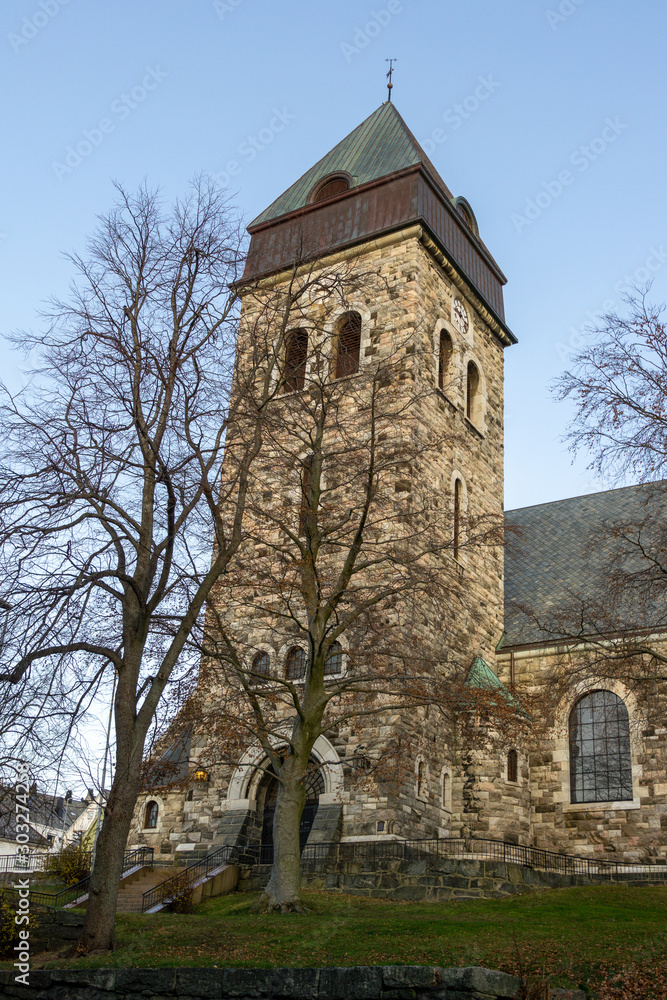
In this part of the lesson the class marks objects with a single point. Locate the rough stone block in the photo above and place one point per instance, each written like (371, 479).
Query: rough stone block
(475, 979)
(204, 983)
(355, 983)
(416, 977)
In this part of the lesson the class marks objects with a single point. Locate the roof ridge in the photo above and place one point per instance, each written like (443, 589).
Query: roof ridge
(594, 493)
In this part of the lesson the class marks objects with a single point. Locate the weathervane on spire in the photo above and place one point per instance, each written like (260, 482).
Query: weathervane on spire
(389, 76)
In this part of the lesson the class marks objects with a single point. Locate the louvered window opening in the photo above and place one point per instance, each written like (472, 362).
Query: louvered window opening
(600, 758)
(349, 345)
(296, 354)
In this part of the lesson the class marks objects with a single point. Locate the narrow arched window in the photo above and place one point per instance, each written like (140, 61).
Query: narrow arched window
(600, 759)
(306, 494)
(334, 662)
(420, 779)
(472, 392)
(512, 766)
(457, 518)
(295, 664)
(296, 354)
(444, 359)
(150, 815)
(348, 345)
(446, 791)
(261, 665)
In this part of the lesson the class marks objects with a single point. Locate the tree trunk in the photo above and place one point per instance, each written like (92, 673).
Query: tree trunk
(283, 891)
(100, 924)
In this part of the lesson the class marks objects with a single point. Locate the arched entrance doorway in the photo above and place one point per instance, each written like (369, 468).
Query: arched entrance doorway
(267, 797)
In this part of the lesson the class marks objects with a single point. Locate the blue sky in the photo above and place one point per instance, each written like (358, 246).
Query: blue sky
(547, 115)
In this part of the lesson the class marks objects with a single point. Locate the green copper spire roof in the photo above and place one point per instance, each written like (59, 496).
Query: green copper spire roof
(380, 146)
(482, 676)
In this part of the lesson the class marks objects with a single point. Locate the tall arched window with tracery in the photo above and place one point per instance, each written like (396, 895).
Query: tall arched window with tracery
(600, 757)
(445, 350)
(348, 345)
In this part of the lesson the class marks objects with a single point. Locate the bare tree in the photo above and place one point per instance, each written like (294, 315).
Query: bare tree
(112, 482)
(346, 573)
(612, 621)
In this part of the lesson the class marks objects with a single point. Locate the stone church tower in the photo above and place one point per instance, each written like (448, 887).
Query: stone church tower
(376, 199)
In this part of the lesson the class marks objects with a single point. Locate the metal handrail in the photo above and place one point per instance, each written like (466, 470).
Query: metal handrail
(142, 856)
(468, 848)
(495, 850)
(184, 880)
(16, 863)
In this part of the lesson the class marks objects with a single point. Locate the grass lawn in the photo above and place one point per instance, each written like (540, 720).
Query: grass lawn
(575, 934)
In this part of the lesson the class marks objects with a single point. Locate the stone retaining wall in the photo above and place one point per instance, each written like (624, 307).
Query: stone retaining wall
(428, 878)
(361, 983)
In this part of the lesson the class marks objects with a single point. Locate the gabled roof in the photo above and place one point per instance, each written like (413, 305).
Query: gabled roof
(382, 145)
(558, 560)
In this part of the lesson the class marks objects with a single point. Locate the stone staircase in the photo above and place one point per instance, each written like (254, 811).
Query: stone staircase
(132, 888)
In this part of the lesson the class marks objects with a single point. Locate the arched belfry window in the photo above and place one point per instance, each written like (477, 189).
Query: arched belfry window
(296, 354)
(295, 664)
(445, 350)
(473, 399)
(150, 815)
(600, 759)
(348, 345)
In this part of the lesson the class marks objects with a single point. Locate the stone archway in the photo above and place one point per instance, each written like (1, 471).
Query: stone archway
(266, 798)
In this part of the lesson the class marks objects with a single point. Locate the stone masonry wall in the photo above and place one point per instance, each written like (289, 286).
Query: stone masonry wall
(395, 982)
(408, 304)
(431, 879)
(633, 831)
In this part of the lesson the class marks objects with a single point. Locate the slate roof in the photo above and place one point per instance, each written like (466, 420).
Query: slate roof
(558, 558)
(382, 145)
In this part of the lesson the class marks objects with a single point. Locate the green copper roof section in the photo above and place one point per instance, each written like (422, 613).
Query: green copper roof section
(482, 676)
(381, 145)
